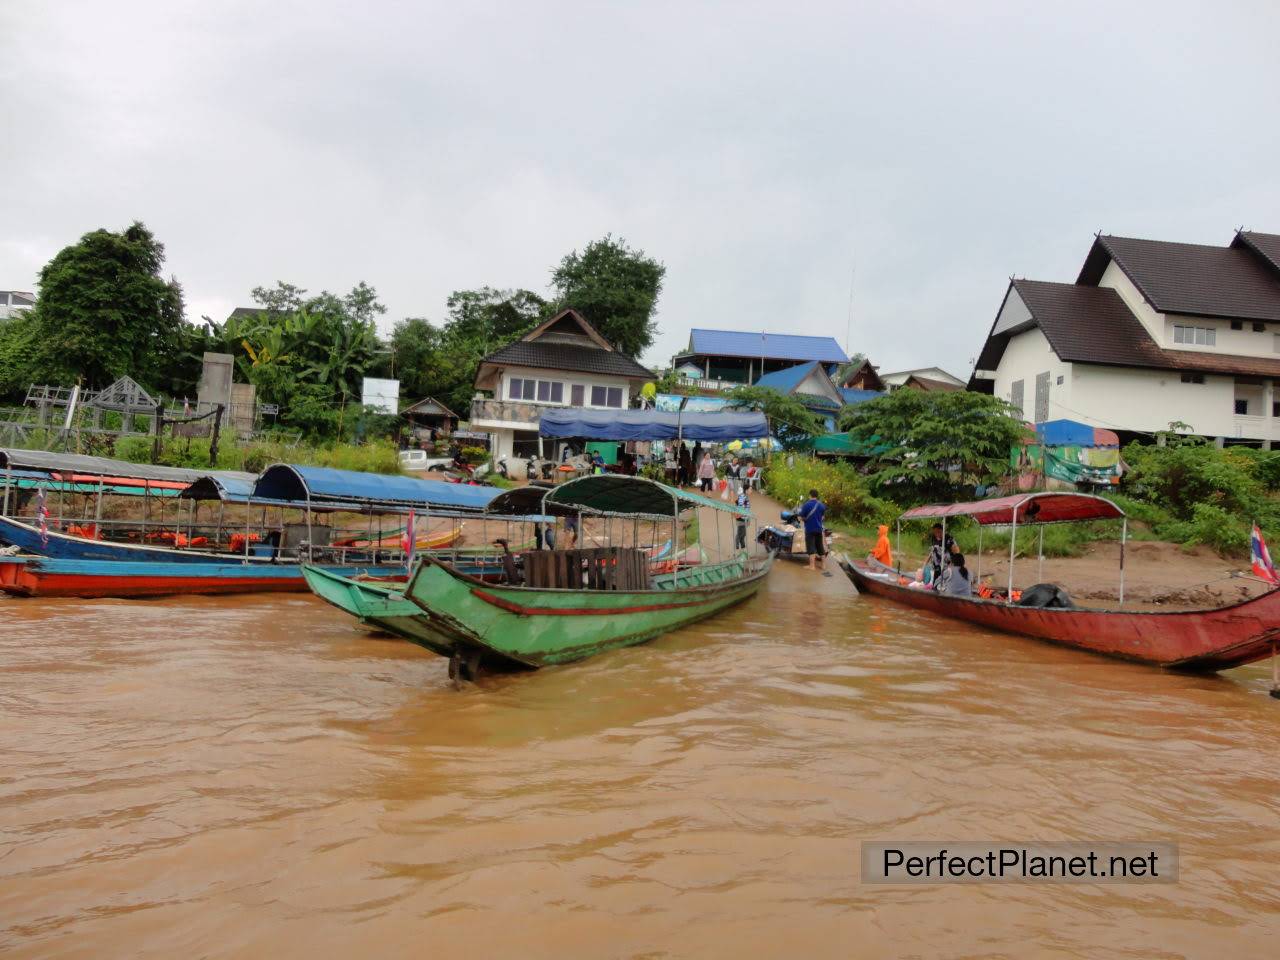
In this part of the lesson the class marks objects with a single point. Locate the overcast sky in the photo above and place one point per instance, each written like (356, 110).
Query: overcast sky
(764, 152)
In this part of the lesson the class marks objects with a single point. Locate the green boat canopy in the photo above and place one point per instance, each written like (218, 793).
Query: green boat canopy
(611, 493)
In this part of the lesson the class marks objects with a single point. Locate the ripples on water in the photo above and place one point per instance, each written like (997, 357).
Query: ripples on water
(259, 777)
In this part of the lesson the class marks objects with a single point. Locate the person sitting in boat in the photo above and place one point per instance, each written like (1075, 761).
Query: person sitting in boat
(882, 552)
(940, 552)
(955, 578)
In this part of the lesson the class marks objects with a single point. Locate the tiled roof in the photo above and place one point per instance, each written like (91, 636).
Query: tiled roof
(931, 385)
(771, 346)
(1093, 325)
(569, 356)
(1264, 245)
(1190, 278)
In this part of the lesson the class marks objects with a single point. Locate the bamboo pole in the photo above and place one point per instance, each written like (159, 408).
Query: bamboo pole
(1013, 540)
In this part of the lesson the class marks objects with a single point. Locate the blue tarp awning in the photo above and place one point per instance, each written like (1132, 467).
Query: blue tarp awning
(651, 425)
(285, 481)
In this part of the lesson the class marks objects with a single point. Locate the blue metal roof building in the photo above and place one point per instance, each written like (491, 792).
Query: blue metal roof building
(731, 357)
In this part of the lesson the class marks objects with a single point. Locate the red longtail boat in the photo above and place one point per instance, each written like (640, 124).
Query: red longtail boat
(1203, 640)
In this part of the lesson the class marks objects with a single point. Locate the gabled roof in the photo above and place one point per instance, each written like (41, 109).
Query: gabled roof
(593, 355)
(770, 346)
(1086, 324)
(863, 367)
(425, 406)
(1264, 245)
(1190, 278)
(790, 380)
(930, 385)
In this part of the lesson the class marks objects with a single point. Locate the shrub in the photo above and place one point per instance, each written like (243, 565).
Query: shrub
(840, 486)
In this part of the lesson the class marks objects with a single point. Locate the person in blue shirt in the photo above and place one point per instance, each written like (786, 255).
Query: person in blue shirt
(811, 512)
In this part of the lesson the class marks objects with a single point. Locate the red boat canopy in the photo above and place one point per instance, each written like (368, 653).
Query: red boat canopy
(1029, 507)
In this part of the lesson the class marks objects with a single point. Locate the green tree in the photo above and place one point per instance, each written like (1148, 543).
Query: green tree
(934, 446)
(18, 340)
(104, 311)
(615, 288)
(789, 419)
(441, 362)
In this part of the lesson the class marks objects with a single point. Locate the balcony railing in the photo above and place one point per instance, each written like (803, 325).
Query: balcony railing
(700, 383)
(507, 411)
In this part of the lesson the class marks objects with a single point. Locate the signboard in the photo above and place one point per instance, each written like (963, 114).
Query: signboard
(670, 402)
(381, 395)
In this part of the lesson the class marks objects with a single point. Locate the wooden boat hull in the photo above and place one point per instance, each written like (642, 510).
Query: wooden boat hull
(1194, 640)
(539, 627)
(67, 547)
(379, 606)
(54, 577)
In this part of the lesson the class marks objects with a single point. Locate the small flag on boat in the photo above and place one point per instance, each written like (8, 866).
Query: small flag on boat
(410, 541)
(1262, 565)
(42, 516)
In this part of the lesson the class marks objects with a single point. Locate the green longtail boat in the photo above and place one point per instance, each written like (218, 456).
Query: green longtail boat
(378, 605)
(569, 604)
(573, 604)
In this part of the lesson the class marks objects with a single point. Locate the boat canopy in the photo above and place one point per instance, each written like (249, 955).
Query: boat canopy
(316, 485)
(1024, 508)
(118, 472)
(527, 502)
(616, 495)
(651, 425)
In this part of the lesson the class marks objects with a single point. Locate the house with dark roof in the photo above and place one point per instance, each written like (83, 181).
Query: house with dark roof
(561, 362)
(921, 376)
(724, 359)
(1151, 333)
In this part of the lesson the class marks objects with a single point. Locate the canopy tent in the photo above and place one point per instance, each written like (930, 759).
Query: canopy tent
(1070, 433)
(316, 485)
(1024, 508)
(118, 471)
(617, 495)
(620, 425)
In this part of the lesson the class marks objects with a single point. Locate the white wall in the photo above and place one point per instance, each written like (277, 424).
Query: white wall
(1245, 342)
(1026, 355)
(568, 379)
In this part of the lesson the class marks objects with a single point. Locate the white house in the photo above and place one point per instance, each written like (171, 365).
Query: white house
(1151, 333)
(13, 302)
(564, 362)
(922, 376)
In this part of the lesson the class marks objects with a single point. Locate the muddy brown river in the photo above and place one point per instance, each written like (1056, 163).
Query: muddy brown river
(259, 777)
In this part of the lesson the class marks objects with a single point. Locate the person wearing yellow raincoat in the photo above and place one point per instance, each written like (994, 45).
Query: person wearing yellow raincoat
(882, 551)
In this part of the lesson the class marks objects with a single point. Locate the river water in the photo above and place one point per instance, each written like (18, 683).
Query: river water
(250, 777)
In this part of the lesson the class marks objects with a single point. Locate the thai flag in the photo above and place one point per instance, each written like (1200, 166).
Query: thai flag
(1262, 565)
(42, 516)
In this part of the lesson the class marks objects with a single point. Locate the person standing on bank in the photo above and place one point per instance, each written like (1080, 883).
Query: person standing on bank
(811, 512)
(706, 471)
(686, 465)
(740, 533)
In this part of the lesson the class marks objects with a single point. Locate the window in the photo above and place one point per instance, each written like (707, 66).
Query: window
(1259, 327)
(544, 391)
(1242, 406)
(577, 395)
(606, 396)
(1193, 378)
(1275, 408)
(1059, 379)
(1237, 324)
(1275, 343)
(1015, 395)
(1203, 336)
(1042, 397)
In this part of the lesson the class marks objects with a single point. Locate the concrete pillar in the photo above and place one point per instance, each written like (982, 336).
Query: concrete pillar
(1219, 442)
